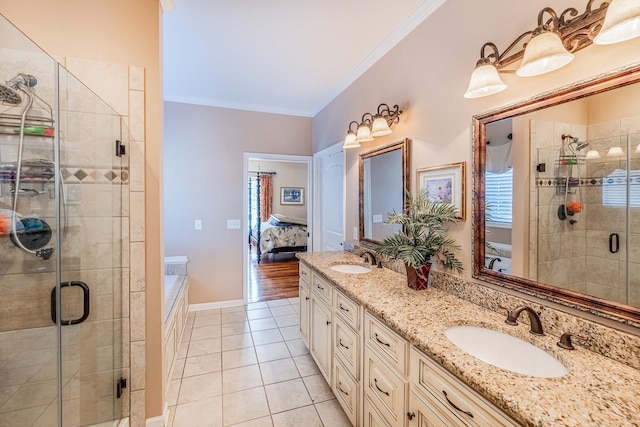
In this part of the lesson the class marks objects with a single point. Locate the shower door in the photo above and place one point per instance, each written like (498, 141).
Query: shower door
(61, 340)
(91, 256)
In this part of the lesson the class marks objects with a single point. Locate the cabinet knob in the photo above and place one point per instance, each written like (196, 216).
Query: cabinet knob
(411, 415)
(306, 298)
(328, 322)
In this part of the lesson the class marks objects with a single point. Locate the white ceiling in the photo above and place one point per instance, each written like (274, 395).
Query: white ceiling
(281, 56)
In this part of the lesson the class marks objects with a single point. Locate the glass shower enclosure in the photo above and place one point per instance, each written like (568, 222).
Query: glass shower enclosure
(61, 245)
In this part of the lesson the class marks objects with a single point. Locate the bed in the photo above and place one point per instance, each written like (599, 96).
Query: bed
(279, 234)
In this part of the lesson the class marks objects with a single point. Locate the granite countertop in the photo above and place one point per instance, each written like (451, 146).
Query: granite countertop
(597, 391)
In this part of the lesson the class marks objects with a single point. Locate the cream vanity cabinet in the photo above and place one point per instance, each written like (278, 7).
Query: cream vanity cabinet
(378, 378)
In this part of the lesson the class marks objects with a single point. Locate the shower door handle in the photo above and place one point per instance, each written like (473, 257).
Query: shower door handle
(614, 243)
(85, 303)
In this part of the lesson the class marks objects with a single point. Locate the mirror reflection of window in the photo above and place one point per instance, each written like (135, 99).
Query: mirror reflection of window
(382, 193)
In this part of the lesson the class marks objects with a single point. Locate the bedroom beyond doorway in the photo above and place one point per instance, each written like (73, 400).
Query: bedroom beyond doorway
(277, 218)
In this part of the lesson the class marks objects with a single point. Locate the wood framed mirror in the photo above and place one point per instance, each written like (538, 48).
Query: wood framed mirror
(569, 233)
(384, 177)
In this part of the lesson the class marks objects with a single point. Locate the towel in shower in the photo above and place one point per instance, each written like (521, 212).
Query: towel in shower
(499, 158)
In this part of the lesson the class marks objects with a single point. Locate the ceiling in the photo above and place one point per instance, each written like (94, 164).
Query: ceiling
(280, 56)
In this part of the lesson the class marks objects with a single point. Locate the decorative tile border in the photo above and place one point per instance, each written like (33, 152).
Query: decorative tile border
(81, 175)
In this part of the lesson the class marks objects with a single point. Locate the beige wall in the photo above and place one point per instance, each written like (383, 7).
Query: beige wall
(288, 174)
(427, 74)
(204, 149)
(119, 32)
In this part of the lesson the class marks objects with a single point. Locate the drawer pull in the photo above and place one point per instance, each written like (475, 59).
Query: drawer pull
(328, 322)
(343, 308)
(375, 380)
(342, 345)
(306, 298)
(381, 342)
(411, 415)
(455, 406)
(304, 273)
(341, 390)
(320, 287)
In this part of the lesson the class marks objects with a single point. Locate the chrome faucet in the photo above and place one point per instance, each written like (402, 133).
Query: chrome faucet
(536, 324)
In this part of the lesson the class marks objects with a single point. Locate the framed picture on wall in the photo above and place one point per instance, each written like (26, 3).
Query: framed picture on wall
(444, 184)
(291, 196)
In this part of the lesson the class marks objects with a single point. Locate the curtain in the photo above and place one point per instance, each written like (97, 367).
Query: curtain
(266, 197)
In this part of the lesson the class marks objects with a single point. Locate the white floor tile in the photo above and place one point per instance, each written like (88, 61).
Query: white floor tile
(243, 378)
(260, 422)
(257, 305)
(306, 416)
(204, 364)
(235, 342)
(244, 405)
(267, 337)
(204, 332)
(278, 302)
(278, 371)
(272, 351)
(236, 358)
(206, 346)
(202, 413)
(235, 328)
(297, 347)
(178, 369)
(262, 313)
(172, 392)
(234, 316)
(290, 332)
(207, 321)
(318, 388)
(332, 414)
(262, 324)
(282, 310)
(287, 395)
(235, 309)
(288, 320)
(200, 387)
(306, 365)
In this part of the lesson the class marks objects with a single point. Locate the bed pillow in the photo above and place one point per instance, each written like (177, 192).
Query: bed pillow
(277, 223)
(289, 219)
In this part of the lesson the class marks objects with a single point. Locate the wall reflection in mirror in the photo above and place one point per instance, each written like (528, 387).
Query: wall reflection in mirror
(563, 195)
(383, 179)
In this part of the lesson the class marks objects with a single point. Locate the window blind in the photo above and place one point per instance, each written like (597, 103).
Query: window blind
(499, 197)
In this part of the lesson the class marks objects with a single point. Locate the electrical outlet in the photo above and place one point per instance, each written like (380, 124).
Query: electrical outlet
(197, 225)
(355, 233)
(377, 219)
(233, 224)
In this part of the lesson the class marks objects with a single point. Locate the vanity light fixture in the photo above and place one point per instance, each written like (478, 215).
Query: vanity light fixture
(637, 149)
(592, 154)
(615, 152)
(552, 43)
(372, 126)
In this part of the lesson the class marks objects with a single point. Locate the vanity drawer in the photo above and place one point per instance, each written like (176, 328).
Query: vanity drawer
(425, 411)
(322, 288)
(348, 310)
(429, 377)
(386, 389)
(390, 346)
(305, 273)
(371, 417)
(346, 347)
(347, 392)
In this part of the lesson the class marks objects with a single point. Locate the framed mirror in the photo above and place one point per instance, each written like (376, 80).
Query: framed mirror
(384, 176)
(557, 196)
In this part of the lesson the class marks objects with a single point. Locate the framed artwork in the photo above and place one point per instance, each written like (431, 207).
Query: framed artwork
(291, 196)
(444, 184)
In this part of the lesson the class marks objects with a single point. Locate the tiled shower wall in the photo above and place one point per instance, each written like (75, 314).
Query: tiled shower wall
(577, 257)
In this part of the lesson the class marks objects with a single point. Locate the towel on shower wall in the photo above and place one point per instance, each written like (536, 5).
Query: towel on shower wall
(499, 158)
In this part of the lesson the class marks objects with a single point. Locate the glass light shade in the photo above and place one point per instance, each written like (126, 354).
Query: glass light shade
(592, 154)
(380, 127)
(485, 81)
(350, 140)
(544, 53)
(364, 134)
(621, 23)
(615, 152)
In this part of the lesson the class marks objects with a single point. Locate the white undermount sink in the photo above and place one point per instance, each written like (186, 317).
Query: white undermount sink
(505, 351)
(350, 268)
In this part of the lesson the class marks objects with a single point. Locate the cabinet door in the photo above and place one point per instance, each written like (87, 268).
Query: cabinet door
(321, 337)
(424, 413)
(305, 304)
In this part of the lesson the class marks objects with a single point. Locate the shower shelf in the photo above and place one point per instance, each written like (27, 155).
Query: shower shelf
(569, 160)
(33, 171)
(38, 126)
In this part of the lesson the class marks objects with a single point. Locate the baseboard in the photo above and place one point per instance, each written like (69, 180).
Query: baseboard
(159, 421)
(213, 305)
(124, 422)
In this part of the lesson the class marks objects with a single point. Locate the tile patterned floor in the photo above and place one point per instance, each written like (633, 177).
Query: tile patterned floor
(247, 366)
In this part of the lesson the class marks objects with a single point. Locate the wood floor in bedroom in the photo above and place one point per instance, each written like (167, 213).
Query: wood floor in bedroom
(274, 278)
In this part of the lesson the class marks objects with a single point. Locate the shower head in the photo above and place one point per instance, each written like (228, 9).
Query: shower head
(9, 91)
(581, 145)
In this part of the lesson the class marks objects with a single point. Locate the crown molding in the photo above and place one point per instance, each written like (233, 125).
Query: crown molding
(238, 106)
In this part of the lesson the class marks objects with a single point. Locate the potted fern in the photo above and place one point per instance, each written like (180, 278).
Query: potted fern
(423, 237)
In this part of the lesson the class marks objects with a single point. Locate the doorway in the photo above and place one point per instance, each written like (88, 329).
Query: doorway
(328, 181)
(276, 223)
